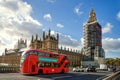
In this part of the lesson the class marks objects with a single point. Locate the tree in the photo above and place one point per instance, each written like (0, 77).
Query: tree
(112, 62)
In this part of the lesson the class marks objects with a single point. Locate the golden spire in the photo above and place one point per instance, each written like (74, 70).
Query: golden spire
(92, 17)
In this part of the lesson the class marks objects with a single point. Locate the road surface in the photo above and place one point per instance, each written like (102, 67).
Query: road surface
(65, 76)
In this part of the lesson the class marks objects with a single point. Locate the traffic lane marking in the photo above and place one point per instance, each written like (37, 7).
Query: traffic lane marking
(62, 77)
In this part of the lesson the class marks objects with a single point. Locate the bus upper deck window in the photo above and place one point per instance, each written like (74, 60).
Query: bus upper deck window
(43, 54)
(33, 52)
(25, 55)
(40, 53)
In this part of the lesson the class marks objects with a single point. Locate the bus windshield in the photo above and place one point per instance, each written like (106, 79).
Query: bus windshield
(23, 57)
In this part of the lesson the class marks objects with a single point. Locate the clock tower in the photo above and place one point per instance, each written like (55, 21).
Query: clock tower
(92, 49)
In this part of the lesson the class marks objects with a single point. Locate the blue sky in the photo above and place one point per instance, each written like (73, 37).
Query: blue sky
(62, 12)
(66, 17)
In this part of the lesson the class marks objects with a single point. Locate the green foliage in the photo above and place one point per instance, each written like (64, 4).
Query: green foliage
(113, 62)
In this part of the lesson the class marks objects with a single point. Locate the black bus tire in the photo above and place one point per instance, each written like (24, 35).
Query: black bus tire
(40, 71)
(63, 71)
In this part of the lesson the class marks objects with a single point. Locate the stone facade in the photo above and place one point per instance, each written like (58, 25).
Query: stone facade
(48, 42)
(20, 44)
(9, 63)
(11, 57)
(74, 56)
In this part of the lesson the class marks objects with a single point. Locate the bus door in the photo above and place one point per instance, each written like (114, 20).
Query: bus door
(31, 65)
(33, 61)
(33, 68)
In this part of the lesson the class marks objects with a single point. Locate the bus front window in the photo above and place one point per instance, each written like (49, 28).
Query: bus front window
(23, 57)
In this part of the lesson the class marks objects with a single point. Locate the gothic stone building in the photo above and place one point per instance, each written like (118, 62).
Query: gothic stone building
(50, 43)
(11, 59)
(11, 56)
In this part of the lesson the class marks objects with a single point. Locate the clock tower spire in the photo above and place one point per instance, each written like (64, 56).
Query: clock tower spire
(92, 17)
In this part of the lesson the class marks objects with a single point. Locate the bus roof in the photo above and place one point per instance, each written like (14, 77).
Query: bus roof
(44, 51)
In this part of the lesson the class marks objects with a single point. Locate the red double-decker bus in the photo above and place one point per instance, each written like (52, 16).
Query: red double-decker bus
(35, 61)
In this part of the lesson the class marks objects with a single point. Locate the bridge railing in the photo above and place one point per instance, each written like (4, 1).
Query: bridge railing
(9, 69)
(115, 76)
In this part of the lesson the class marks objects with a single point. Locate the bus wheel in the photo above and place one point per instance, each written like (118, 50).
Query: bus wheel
(40, 71)
(62, 70)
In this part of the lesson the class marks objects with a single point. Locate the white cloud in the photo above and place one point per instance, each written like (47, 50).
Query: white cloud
(60, 25)
(82, 41)
(51, 1)
(2, 47)
(111, 43)
(47, 17)
(107, 28)
(84, 23)
(69, 42)
(53, 33)
(16, 19)
(1, 43)
(111, 46)
(118, 15)
(77, 10)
